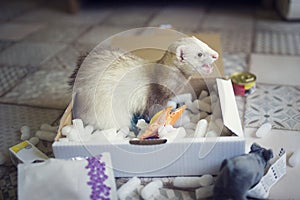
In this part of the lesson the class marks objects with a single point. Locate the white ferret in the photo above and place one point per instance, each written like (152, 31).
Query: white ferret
(113, 89)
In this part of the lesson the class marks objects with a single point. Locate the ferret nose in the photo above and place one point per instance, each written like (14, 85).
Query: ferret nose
(215, 56)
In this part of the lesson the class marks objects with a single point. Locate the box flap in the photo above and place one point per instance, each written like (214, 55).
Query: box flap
(229, 108)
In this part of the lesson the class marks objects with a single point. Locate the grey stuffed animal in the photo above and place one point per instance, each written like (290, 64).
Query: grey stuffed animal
(239, 174)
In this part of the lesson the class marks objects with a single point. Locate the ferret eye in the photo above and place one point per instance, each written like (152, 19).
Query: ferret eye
(200, 54)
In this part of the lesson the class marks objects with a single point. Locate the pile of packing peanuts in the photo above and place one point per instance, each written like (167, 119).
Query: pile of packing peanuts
(203, 187)
(196, 117)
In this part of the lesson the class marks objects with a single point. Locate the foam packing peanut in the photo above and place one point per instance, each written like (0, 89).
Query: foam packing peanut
(34, 140)
(45, 135)
(204, 192)
(294, 159)
(195, 118)
(126, 189)
(208, 118)
(173, 104)
(141, 124)
(201, 128)
(204, 106)
(263, 130)
(47, 127)
(187, 182)
(206, 180)
(206, 100)
(78, 124)
(214, 98)
(184, 119)
(193, 107)
(64, 139)
(193, 181)
(171, 134)
(219, 123)
(182, 98)
(66, 130)
(203, 94)
(151, 189)
(203, 115)
(216, 109)
(190, 125)
(190, 132)
(88, 130)
(211, 134)
(25, 133)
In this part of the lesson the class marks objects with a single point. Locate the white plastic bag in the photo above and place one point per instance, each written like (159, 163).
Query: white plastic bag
(53, 179)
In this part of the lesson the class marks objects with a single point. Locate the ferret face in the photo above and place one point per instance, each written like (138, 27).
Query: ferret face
(194, 56)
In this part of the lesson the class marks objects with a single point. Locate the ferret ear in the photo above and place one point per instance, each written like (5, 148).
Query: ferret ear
(268, 154)
(180, 52)
(255, 147)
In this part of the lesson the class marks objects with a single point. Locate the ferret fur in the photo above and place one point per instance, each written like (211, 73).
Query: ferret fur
(112, 87)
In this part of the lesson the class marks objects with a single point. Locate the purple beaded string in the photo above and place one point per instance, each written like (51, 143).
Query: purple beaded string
(97, 177)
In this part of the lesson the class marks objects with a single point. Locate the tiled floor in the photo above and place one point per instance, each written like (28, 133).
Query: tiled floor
(39, 47)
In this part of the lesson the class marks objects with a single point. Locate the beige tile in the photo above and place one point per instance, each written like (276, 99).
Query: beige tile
(17, 31)
(288, 186)
(181, 18)
(230, 21)
(59, 17)
(132, 16)
(100, 33)
(13, 117)
(44, 88)
(29, 54)
(273, 69)
(57, 33)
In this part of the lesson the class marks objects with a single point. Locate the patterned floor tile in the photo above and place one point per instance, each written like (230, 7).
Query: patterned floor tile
(59, 17)
(228, 20)
(10, 77)
(100, 33)
(277, 42)
(13, 117)
(276, 104)
(278, 25)
(28, 54)
(277, 37)
(17, 31)
(275, 69)
(233, 40)
(124, 16)
(45, 88)
(68, 57)
(185, 19)
(8, 184)
(234, 62)
(57, 33)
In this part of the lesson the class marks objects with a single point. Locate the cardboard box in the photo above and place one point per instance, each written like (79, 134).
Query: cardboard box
(189, 156)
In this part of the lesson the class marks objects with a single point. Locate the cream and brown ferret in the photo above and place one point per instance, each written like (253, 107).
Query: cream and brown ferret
(114, 88)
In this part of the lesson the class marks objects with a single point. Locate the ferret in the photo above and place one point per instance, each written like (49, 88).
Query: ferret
(240, 174)
(114, 88)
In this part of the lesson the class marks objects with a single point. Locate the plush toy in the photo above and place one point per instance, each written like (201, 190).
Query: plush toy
(239, 174)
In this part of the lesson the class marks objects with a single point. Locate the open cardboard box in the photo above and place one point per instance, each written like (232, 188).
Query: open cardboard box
(189, 156)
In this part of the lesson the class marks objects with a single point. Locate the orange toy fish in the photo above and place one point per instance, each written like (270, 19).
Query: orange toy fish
(162, 118)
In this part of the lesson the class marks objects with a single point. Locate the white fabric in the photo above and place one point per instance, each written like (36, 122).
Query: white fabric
(60, 179)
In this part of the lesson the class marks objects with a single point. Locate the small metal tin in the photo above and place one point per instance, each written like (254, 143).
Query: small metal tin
(243, 83)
